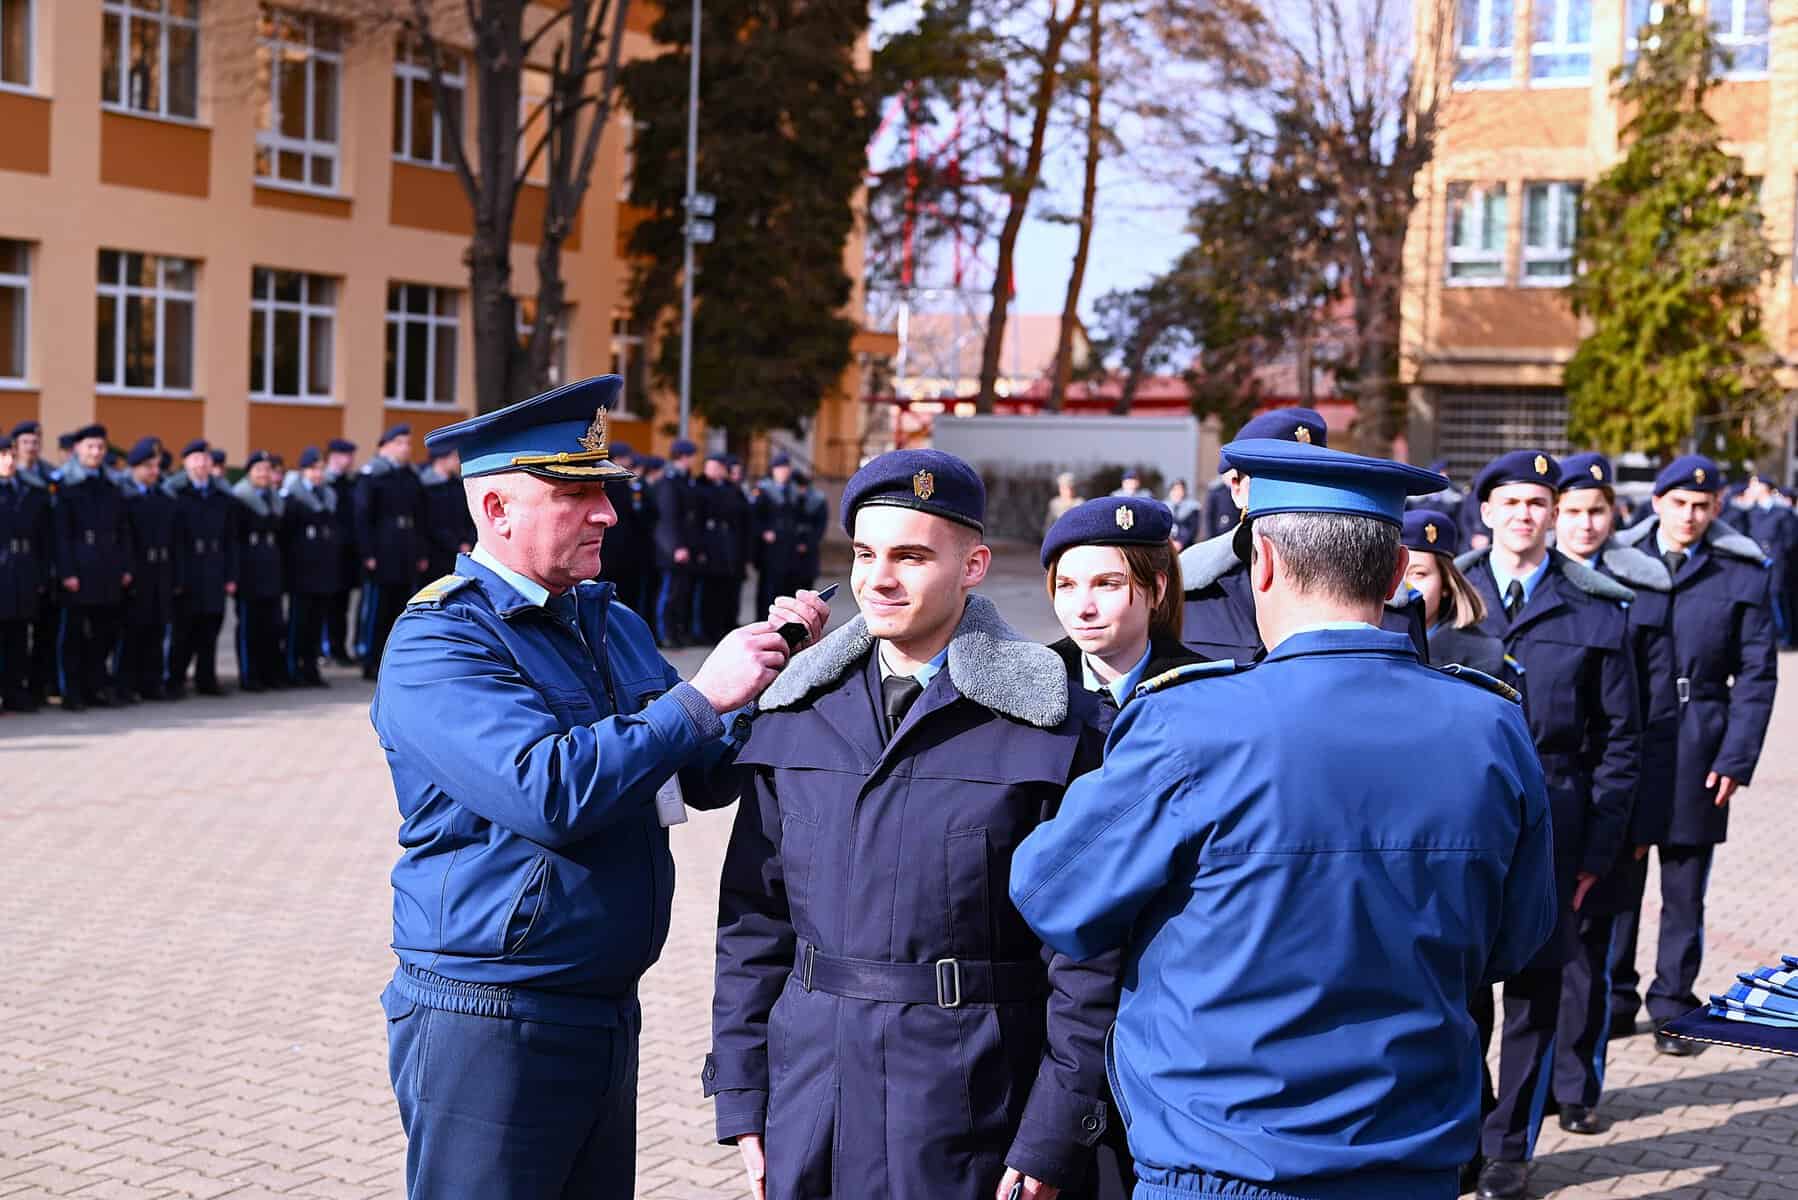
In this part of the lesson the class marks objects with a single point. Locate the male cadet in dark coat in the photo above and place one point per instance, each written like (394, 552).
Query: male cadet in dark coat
(776, 528)
(312, 557)
(812, 522)
(676, 506)
(721, 515)
(449, 530)
(884, 1023)
(1770, 523)
(629, 561)
(1726, 671)
(340, 477)
(150, 600)
(205, 571)
(93, 556)
(25, 575)
(1221, 511)
(261, 581)
(1566, 638)
(1586, 518)
(529, 725)
(28, 441)
(1310, 863)
(390, 537)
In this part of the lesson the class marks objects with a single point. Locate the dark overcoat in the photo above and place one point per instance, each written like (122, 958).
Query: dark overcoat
(260, 575)
(1221, 513)
(676, 505)
(776, 510)
(93, 540)
(899, 852)
(154, 516)
(722, 517)
(448, 525)
(390, 520)
(1471, 646)
(206, 554)
(25, 566)
(312, 549)
(628, 555)
(1725, 672)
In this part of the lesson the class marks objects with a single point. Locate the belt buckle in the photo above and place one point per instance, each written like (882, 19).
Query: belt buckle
(1684, 687)
(950, 996)
(806, 958)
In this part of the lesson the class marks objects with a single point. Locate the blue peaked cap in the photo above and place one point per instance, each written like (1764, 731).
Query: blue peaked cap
(559, 435)
(1303, 477)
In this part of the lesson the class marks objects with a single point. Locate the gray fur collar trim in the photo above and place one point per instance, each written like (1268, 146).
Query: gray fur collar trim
(250, 498)
(1204, 563)
(1719, 538)
(1580, 576)
(990, 663)
(1637, 569)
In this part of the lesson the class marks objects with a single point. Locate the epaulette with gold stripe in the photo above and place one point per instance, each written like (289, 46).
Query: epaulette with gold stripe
(435, 591)
(1497, 687)
(1191, 671)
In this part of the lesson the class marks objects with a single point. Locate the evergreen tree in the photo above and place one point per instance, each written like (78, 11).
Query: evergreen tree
(1672, 261)
(784, 119)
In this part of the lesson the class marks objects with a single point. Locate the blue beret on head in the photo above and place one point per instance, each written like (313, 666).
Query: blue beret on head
(1519, 466)
(654, 462)
(146, 449)
(1110, 521)
(558, 435)
(1432, 531)
(930, 481)
(780, 460)
(65, 441)
(256, 456)
(88, 431)
(718, 456)
(197, 446)
(25, 427)
(309, 457)
(218, 455)
(400, 430)
(340, 446)
(1690, 473)
(1586, 471)
(682, 448)
(1292, 424)
(1301, 477)
(5, 441)
(623, 450)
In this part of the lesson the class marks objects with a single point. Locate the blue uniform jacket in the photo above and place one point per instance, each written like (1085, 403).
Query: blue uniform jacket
(526, 757)
(447, 523)
(390, 520)
(259, 575)
(1310, 865)
(25, 567)
(1726, 670)
(93, 539)
(206, 557)
(1221, 513)
(153, 515)
(312, 550)
(1657, 693)
(675, 511)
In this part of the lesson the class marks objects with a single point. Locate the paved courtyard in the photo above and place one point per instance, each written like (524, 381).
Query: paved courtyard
(193, 931)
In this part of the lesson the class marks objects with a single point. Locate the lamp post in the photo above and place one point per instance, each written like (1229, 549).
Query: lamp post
(695, 204)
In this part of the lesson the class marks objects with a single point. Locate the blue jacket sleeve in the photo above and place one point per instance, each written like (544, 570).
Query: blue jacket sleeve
(1751, 699)
(451, 701)
(1532, 902)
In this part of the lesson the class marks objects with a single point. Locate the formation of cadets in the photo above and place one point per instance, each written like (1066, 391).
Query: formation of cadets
(116, 570)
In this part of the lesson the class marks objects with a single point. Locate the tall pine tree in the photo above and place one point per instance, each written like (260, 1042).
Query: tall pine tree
(784, 120)
(1672, 262)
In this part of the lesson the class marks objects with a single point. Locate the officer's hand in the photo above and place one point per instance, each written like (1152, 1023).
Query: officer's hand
(680, 554)
(1726, 787)
(805, 609)
(755, 1163)
(230, 589)
(1581, 886)
(768, 536)
(1033, 1189)
(125, 579)
(740, 666)
(71, 584)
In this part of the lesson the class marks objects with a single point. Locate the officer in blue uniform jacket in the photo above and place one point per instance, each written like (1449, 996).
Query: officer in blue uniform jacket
(884, 1023)
(150, 601)
(25, 575)
(93, 555)
(1566, 636)
(312, 559)
(261, 661)
(1338, 838)
(390, 536)
(529, 724)
(206, 562)
(1586, 517)
(676, 511)
(1725, 675)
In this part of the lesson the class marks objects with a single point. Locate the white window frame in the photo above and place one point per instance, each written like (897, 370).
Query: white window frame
(1560, 44)
(21, 282)
(1478, 194)
(264, 304)
(558, 363)
(1482, 49)
(29, 83)
(129, 12)
(310, 147)
(412, 68)
(1728, 18)
(159, 294)
(626, 348)
(434, 321)
(1555, 192)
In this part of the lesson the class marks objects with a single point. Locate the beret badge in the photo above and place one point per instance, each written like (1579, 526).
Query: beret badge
(923, 485)
(1125, 518)
(1541, 464)
(1597, 472)
(1302, 434)
(1429, 533)
(1698, 474)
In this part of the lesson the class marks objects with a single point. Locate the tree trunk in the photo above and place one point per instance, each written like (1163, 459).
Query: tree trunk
(1021, 187)
(1089, 194)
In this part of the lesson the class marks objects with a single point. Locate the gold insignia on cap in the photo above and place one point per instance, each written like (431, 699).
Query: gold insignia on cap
(589, 462)
(1597, 472)
(1541, 464)
(1429, 533)
(923, 485)
(1302, 434)
(1698, 474)
(594, 440)
(1125, 517)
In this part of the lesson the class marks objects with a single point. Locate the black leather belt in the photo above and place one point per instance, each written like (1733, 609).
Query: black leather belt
(1700, 689)
(945, 983)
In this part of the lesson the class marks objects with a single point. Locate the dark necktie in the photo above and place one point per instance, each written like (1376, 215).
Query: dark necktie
(897, 694)
(1514, 599)
(1106, 700)
(1675, 559)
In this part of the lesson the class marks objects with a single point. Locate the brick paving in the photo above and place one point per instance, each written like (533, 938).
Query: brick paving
(193, 931)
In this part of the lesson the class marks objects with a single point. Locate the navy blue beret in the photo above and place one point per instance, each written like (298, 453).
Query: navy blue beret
(197, 446)
(88, 431)
(1690, 473)
(65, 441)
(146, 449)
(1586, 471)
(1519, 466)
(218, 455)
(622, 450)
(256, 456)
(25, 427)
(1110, 521)
(560, 434)
(718, 456)
(779, 460)
(1436, 532)
(309, 457)
(400, 430)
(5, 441)
(682, 448)
(654, 462)
(731, 460)
(930, 481)
(1291, 424)
(340, 446)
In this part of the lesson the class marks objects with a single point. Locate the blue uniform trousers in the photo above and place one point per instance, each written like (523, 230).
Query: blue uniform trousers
(674, 607)
(1685, 876)
(497, 1108)
(1584, 1036)
(1532, 1002)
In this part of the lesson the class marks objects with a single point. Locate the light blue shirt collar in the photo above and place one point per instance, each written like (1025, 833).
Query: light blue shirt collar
(1502, 581)
(535, 592)
(1121, 688)
(923, 674)
(1663, 549)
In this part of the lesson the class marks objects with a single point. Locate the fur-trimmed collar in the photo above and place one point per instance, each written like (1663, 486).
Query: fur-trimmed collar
(251, 498)
(1635, 568)
(431, 477)
(1204, 563)
(1578, 574)
(990, 663)
(318, 499)
(1720, 538)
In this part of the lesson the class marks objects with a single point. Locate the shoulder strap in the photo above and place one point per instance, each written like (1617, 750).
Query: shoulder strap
(1497, 687)
(438, 589)
(1188, 673)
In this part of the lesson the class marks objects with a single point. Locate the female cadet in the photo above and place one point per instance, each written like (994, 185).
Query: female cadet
(1452, 609)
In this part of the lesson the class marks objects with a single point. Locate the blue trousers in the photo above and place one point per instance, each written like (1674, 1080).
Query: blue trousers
(501, 1109)
(1685, 877)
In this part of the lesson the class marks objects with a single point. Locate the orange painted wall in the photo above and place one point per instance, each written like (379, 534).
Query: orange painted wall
(1555, 118)
(429, 198)
(1740, 107)
(422, 422)
(16, 407)
(175, 421)
(1505, 318)
(302, 202)
(25, 145)
(286, 429)
(164, 156)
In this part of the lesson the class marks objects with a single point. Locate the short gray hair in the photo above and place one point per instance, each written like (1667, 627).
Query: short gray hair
(1352, 559)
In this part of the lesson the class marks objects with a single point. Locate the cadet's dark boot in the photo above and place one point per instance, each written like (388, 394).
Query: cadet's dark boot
(1504, 1181)
(1470, 1174)
(1666, 1043)
(1577, 1118)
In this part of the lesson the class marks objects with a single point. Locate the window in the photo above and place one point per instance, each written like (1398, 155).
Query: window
(15, 309)
(150, 56)
(292, 318)
(1561, 49)
(1550, 220)
(421, 344)
(1476, 233)
(419, 130)
(15, 43)
(526, 308)
(1487, 28)
(1740, 27)
(299, 63)
(146, 323)
(1638, 15)
(533, 120)
(627, 356)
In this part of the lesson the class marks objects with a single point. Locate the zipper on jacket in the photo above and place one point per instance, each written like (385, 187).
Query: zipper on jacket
(1111, 1074)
